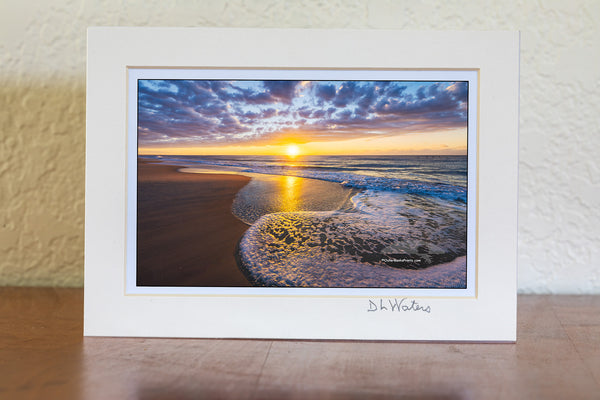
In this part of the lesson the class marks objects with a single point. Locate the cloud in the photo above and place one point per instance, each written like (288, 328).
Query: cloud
(345, 94)
(305, 112)
(459, 90)
(203, 112)
(319, 113)
(282, 90)
(325, 92)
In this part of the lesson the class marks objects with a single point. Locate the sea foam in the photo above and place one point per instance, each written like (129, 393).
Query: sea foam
(414, 243)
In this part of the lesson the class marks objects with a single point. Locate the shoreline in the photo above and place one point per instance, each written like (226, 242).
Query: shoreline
(271, 193)
(186, 232)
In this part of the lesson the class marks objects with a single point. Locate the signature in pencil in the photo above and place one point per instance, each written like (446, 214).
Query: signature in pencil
(395, 305)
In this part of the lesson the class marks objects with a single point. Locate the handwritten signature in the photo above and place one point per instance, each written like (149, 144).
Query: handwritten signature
(395, 305)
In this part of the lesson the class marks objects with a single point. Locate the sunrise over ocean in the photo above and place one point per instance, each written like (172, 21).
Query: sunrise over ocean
(289, 183)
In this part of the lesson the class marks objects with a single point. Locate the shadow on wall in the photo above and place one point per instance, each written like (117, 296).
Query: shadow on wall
(42, 147)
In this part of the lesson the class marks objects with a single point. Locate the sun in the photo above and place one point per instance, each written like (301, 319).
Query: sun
(292, 150)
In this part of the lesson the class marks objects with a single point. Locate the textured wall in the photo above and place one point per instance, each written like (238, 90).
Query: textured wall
(42, 118)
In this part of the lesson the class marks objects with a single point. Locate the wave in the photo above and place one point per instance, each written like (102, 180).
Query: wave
(340, 174)
(388, 239)
(337, 249)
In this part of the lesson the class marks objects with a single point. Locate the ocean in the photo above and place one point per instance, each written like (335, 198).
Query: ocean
(348, 221)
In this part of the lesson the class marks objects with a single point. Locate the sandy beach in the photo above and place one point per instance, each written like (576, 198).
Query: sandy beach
(187, 235)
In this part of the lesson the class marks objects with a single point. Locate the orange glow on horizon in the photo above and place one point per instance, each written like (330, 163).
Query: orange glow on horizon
(429, 143)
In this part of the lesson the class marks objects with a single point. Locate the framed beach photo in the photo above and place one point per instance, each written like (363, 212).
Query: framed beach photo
(360, 186)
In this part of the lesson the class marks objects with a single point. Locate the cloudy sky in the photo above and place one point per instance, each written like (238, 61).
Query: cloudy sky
(320, 117)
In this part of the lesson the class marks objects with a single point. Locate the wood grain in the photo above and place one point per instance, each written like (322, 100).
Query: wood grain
(43, 355)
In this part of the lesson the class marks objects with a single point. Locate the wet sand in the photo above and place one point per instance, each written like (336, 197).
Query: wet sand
(187, 235)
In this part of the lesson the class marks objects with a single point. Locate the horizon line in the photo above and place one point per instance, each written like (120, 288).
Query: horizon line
(299, 155)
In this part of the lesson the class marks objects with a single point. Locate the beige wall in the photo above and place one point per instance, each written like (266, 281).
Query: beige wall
(42, 118)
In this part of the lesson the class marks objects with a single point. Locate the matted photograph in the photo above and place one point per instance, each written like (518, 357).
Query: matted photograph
(324, 183)
(301, 184)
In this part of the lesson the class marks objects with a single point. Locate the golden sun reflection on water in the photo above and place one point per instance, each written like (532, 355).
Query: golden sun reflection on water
(291, 190)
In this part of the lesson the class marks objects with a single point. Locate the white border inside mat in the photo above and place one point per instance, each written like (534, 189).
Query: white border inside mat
(186, 73)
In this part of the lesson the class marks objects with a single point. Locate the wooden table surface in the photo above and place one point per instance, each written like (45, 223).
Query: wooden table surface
(44, 356)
